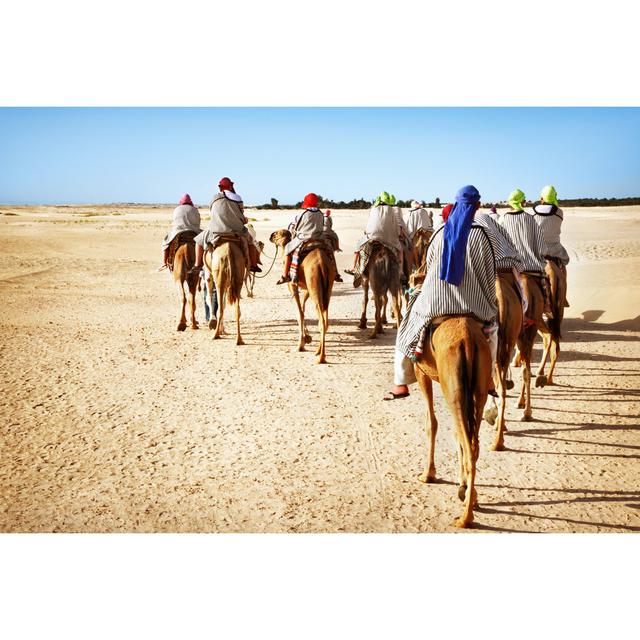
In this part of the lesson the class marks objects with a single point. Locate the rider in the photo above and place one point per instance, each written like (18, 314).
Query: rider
(227, 217)
(527, 239)
(460, 278)
(418, 218)
(186, 217)
(306, 225)
(331, 237)
(549, 217)
(384, 225)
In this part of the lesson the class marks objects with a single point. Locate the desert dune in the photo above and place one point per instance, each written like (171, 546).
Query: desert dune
(112, 421)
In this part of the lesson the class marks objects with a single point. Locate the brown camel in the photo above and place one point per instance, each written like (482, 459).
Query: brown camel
(509, 326)
(459, 358)
(227, 264)
(383, 274)
(183, 259)
(316, 275)
(551, 333)
(421, 241)
(532, 286)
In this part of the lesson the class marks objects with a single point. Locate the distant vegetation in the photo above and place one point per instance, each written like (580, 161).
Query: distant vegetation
(361, 203)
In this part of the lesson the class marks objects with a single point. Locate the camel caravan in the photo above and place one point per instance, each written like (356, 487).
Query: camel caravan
(477, 290)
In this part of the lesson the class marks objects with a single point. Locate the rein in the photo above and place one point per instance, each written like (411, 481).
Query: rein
(264, 275)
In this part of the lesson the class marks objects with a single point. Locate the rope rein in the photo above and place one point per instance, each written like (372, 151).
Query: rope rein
(264, 275)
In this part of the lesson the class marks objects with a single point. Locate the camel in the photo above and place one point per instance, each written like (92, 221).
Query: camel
(227, 264)
(421, 240)
(459, 358)
(551, 334)
(510, 318)
(316, 275)
(183, 259)
(383, 274)
(532, 288)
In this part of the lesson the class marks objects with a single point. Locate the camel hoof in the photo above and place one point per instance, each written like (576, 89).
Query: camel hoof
(217, 336)
(301, 347)
(362, 324)
(212, 323)
(497, 446)
(541, 381)
(240, 342)
(195, 326)
(384, 321)
(550, 381)
(426, 478)
(509, 385)
(182, 326)
(526, 418)
(490, 415)
(307, 339)
(462, 523)
(373, 335)
(520, 404)
(321, 360)
(462, 492)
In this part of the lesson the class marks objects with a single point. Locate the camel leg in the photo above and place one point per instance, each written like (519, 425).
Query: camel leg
(192, 302)
(462, 487)
(541, 379)
(377, 327)
(365, 301)
(307, 335)
(470, 496)
(555, 350)
(426, 386)
(526, 386)
(222, 295)
(301, 327)
(182, 325)
(212, 319)
(322, 324)
(498, 443)
(397, 306)
(239, 340)
(384, 310)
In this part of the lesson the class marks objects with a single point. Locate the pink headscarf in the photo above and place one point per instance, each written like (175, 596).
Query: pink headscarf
(186, 199)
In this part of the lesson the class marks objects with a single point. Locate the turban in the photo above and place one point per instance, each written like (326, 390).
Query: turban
(384, 198)
(310, 201)
(446, 210)
(456, 234)
(515, 199)
(186, 199)
(226, 184)
(549, 195)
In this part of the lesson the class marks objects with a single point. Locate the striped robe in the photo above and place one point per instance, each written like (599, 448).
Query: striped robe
(507, 256)
(475, 295)
(526, 237)
(549, 218)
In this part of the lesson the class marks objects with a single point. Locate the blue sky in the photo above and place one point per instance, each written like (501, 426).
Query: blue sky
(92, 155)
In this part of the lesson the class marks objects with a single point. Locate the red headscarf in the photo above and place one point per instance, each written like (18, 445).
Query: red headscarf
(446, 210)
(310, 201)
(186, 199)
(226, 184)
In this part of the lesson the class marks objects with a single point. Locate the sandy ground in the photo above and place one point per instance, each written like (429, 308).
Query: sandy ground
(111, 420)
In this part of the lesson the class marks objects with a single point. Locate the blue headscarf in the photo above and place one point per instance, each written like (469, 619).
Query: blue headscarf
(456, 234)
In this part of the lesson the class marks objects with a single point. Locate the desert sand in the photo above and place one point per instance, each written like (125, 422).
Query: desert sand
(112, 421)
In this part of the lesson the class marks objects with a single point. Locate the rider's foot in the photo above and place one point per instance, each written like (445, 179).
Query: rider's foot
(351, 272)
(255, 269)
(195, 269)
(283, 279)
(338, 278)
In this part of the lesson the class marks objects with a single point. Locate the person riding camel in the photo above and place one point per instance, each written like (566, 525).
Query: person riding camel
(418, 218)
(460, 279)
(227, 218)
(186, 218)
(549, 217)
(331, 237)
(527, 238)
(385, 225)
(306, 225)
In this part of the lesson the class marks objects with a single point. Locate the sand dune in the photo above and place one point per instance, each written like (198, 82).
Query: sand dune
(113, 421)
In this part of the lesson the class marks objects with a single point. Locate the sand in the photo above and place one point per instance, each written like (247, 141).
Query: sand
(112, 421)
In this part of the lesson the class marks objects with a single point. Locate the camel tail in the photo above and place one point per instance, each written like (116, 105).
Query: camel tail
(467, 374)
(235, 279)
(385, 275)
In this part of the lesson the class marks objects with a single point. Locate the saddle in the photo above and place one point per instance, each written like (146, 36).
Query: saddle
(311, 245)
(369, 250)
(185, 237)
(233, 239)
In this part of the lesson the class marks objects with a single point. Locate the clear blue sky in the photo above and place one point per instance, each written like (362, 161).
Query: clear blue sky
(92, 155)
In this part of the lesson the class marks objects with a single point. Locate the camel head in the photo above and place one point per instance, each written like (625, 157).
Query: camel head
(280, 237)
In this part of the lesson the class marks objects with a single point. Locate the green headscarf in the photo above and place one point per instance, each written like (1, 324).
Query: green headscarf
(515, 199)
(549, 195)
(384, 198)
